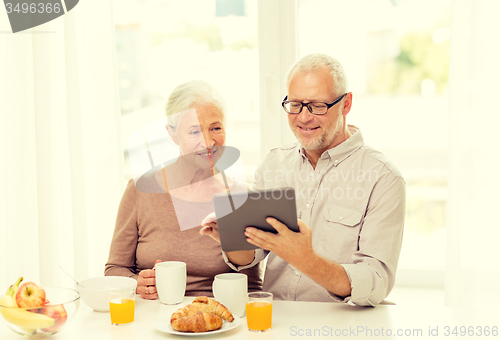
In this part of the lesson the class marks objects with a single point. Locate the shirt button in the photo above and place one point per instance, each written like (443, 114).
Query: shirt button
(336, 162)
(308, 205)
(297, 273)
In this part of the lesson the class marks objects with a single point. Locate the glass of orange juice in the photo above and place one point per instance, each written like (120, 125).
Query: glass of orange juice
(122, 305)
(259, 310)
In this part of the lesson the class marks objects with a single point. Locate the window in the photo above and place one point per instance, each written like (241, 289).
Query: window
(396, 56)
(163, 43)
(395, 53)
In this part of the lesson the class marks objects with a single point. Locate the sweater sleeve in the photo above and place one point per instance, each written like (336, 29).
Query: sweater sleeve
(122, 253)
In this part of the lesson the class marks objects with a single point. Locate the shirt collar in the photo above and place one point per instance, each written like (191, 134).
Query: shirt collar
(342, 151)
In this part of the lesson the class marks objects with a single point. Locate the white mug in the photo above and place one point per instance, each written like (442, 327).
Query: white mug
(230, 289)
(171, 281)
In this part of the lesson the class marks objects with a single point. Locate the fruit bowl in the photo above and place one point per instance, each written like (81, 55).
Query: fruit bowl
(95, 291)
(37, 321)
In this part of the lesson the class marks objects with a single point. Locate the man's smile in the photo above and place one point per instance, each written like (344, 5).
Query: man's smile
(307, 129)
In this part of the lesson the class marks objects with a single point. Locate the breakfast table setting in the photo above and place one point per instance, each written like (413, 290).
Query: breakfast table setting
(108, 308)
(292, 320)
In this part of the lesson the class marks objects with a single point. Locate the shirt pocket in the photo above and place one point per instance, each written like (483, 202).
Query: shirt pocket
(340, 232)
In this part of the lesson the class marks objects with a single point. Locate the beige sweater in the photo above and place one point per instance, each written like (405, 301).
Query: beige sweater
(147, 230)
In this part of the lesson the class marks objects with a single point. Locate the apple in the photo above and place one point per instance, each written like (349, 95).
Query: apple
(30, 295)
(58, 313)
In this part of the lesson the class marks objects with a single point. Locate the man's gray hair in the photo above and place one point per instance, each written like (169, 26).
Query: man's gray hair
(318, 60)
(188, 95)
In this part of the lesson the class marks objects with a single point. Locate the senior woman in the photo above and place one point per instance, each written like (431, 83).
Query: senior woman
(158, 211)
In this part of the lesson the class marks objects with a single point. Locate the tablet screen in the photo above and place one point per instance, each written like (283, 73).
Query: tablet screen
(237, 210)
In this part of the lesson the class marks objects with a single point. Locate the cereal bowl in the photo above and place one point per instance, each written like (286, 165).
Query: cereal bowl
(95, 291)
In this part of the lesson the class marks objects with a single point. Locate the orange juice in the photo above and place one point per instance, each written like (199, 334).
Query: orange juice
(259, 315)
(122, 310)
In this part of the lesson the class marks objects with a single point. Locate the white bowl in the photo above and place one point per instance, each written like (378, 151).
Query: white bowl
(95, 291)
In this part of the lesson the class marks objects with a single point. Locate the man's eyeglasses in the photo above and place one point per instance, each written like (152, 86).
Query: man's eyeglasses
(316, 108)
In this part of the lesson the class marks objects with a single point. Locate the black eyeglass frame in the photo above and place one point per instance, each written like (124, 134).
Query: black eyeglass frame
(308, 105)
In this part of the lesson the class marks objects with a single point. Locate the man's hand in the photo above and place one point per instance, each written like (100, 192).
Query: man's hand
(293, 247)
(296, 249)
(146, 284)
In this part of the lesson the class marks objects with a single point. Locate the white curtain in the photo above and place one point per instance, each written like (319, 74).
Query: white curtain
(473, 265)
(61, 167)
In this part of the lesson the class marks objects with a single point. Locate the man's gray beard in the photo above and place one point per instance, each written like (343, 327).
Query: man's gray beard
(321, 142)
(316, 144)
(312, 145)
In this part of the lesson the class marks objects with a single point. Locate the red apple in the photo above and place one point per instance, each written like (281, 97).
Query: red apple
(30, 295)
(58, 313)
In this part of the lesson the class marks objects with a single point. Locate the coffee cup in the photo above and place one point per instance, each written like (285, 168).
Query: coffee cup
(171, 281)
(231, 289)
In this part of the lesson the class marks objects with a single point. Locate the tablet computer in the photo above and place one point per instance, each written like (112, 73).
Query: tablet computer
(240, 209)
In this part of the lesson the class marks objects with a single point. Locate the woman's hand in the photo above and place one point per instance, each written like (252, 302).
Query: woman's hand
(209, 224)
(146, 284)
(210, 228)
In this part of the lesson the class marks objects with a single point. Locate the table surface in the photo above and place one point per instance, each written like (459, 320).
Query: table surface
(294, 319)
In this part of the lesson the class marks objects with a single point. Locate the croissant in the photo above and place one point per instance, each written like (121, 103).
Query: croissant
(208, 305)
(197, 322)
(203, 315)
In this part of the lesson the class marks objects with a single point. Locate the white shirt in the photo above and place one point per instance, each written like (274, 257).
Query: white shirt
(354, 202)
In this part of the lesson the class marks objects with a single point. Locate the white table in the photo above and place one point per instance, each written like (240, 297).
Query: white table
(294, 320)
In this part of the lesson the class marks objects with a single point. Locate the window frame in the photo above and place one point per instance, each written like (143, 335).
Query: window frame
(278, 50)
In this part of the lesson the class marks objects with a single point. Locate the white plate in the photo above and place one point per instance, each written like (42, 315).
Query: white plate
(164, 326)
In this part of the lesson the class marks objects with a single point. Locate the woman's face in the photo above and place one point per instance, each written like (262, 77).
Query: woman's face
(201, 135)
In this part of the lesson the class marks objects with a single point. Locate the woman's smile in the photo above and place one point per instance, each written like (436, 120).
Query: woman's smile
(207, 154)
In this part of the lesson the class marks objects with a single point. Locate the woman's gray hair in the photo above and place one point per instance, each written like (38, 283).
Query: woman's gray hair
(188, 95)
(318, 60)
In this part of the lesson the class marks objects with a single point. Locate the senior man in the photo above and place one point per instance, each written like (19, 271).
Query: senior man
(350, 199)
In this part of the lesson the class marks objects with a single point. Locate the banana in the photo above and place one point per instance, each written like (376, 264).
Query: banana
(30, 321)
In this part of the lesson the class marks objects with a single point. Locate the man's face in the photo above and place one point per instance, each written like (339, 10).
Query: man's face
(317, 133)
